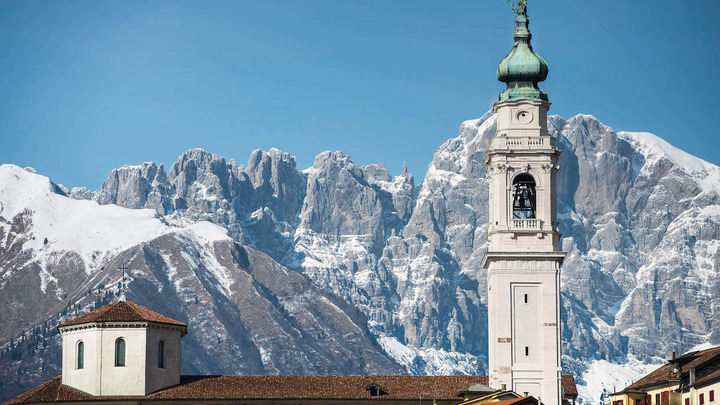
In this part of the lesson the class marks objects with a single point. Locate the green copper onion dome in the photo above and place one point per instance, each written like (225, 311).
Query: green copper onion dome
(522, 69)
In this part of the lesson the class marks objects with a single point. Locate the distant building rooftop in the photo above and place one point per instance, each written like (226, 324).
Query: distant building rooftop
(275, 387)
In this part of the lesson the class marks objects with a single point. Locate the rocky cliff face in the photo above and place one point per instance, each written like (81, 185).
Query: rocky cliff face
(640, 219)
(246, 312)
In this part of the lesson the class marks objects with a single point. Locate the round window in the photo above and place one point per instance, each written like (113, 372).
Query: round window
(524, 117)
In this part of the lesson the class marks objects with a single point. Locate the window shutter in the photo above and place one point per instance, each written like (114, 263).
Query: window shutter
(702, 399)
(712, 395)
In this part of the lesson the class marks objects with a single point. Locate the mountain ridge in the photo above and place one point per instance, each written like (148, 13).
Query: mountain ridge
(640, 221)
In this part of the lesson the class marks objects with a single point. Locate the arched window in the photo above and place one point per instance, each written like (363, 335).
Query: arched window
(523, 191)
(161, 354)
(80, 362)
(120, 352)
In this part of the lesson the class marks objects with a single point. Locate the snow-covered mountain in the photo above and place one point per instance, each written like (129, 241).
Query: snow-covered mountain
(245, 312)
(396, 263)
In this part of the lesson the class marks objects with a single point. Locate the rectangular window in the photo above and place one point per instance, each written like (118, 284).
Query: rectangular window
(666, 398)
(526, 299)
(702, 399)
(712, 395)
(687, 401)
(527, 350)
(657, 399)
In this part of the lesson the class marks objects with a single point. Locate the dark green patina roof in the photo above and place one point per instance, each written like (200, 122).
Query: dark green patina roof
(522, 69)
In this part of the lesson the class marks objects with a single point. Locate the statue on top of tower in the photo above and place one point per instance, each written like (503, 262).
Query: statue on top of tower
(521, 7)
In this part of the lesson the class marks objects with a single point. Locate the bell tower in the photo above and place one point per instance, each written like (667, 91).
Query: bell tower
(523, 259)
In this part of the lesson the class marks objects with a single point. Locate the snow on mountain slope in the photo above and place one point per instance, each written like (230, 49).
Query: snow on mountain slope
(640, 221)
(652, 147)
(246, 313)
(61, 223)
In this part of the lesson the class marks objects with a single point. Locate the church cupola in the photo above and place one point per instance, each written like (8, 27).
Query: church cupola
(522, 69)
(121, 349)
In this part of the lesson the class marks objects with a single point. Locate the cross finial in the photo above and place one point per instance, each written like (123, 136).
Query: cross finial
(122, 285)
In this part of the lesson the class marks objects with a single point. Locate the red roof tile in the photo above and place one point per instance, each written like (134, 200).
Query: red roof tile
(274, 387)
(568, 385)
(665, 372)
(712, 377)
(120, 311)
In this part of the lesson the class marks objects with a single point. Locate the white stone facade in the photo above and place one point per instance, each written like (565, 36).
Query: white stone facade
(523, 259)
(141, 373)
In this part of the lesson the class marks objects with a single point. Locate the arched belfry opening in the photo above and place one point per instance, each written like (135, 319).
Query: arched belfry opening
(523, 192)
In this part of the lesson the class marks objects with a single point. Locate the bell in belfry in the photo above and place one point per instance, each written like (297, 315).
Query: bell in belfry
(524, 197)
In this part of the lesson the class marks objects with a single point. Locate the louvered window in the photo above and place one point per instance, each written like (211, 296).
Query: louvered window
(80, 355)
(120, 352)
(702, 399)
(712, 395)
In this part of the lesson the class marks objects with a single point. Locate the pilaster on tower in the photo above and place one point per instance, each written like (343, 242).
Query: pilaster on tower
(523, 259)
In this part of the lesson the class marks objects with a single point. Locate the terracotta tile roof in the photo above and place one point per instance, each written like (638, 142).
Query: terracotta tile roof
(629, 391)
(275, 387)
(712, 377)
(122, 311)
(698, 359)
(568, 385)
(51, 391)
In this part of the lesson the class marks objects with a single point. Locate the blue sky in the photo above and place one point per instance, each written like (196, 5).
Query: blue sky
(88, 86)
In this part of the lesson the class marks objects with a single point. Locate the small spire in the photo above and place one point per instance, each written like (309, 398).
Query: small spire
(404, 168)
(522, 69)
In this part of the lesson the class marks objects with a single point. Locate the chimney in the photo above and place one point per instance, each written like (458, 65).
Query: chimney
(670, 356)
(692, 376)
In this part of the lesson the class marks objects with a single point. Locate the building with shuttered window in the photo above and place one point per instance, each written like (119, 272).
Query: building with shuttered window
(689, 379)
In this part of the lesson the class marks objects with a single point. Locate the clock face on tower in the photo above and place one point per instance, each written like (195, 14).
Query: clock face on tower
(524, 117)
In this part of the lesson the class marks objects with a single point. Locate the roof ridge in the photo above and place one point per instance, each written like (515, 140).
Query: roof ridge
(122, 311)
